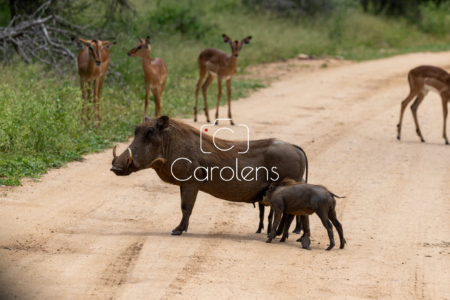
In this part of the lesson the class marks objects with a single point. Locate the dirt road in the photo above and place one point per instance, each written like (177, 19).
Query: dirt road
(83, 233)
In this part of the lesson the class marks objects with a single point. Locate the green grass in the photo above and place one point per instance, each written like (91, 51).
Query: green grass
(40, 112)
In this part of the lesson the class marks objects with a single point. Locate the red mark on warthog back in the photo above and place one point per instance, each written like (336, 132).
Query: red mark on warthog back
(206, 129)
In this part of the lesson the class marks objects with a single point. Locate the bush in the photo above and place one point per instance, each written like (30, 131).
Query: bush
(435, 18)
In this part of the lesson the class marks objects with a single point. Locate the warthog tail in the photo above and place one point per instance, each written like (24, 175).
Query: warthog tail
(335, 195)
(306, 164)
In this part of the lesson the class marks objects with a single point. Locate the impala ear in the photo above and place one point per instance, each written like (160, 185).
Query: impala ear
(226, 39)
(147, 40)
(246, 40)
(140, 40)
(81, 41)
(107, 44)
(163, 122)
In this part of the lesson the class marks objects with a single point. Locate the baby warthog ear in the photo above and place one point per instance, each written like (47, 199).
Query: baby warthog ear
(163, 122)
(271, 187)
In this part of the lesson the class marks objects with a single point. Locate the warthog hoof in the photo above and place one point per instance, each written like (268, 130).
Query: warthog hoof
(296, 231)
(343, 244)
(269, 240)
(330, 247)
(176, 232)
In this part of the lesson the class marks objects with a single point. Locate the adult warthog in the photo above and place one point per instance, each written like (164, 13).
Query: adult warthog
(183, 156)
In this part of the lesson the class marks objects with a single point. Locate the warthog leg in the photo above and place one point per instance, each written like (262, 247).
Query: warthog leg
(305, 238)
(298, 225)
(276, 222)
(327, 224)
(261, 218)
(269, 218)
(282, 224)
(287, 224)
(188, 197)
(337, 224)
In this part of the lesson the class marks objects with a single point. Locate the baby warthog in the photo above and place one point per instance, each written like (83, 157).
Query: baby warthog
(295, 198)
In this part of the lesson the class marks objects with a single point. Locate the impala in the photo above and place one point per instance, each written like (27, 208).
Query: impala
(214, 62)
(422, 80)
(93, 62)
(155, 73)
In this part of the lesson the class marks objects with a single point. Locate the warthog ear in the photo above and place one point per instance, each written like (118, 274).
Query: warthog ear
(146, 118)
(163, 122)
(271, 187)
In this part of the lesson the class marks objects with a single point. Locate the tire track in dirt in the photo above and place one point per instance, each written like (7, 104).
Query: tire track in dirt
(115, 274)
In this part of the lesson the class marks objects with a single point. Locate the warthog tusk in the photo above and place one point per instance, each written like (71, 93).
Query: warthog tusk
(130, 160)
(114, 152)
(153, 163)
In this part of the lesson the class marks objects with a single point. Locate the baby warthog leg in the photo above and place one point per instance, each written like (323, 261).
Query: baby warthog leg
(305, 238)
(327, 224)
(276, 222)
(282, 224)
(287, 224)
(337, 224)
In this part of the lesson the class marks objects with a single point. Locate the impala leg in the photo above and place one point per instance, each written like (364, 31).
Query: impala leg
(197, 89)
(402, 111)
(205, 86)
(102, 80)
(89, 99)
(96, 102)
(229, 100)
(83, 95)
(157, 98)
(445, 110)
(219, 84)
(188, 197)
(147, 95)
(414, 108)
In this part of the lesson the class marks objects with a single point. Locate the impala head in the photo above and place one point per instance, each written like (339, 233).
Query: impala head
(145, 150)
(236, 45)
(141, 48)
(95, 48)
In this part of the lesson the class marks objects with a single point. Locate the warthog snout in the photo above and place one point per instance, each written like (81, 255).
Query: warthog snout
(118, 171)
(118, 168)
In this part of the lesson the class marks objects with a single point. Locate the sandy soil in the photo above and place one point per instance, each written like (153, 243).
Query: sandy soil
(83, 233)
